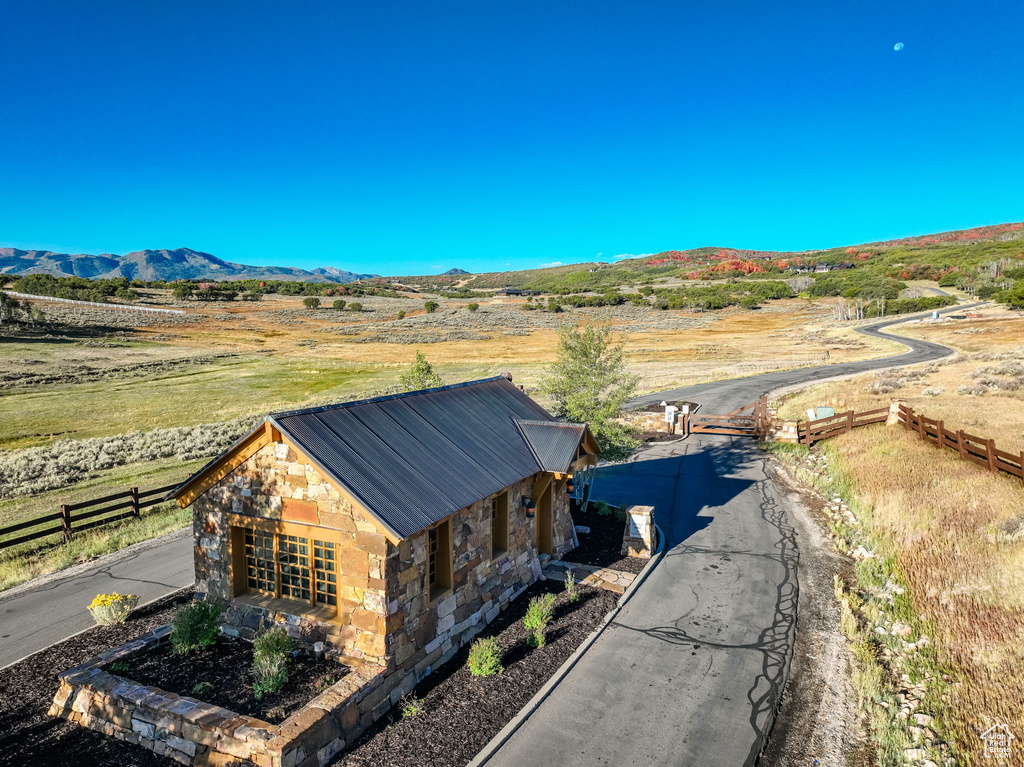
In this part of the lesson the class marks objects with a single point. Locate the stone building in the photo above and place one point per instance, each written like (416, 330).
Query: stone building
(392, 529)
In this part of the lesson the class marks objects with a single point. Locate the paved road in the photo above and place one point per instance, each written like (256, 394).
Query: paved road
(691, 671)
(727, 584)
(34, 618)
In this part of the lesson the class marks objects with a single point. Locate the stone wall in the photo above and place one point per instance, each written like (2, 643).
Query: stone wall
(192, 732)
(277, 484)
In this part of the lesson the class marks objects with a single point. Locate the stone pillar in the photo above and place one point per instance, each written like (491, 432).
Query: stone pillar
(894, 413)
(786, 431)
(638, 539)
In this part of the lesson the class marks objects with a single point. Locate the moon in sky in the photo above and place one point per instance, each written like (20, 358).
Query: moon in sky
(898, 47)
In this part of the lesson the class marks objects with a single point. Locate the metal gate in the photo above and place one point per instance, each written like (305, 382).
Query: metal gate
(747, 421)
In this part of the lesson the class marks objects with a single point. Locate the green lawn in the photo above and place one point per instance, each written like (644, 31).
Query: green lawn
(218, 391)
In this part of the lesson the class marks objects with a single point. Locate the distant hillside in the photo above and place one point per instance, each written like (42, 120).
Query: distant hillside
(151, 265)
(454, 273)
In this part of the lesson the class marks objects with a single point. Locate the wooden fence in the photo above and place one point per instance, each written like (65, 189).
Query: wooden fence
(738, 422)
(71, 519)
(814, 431)
(980, 450)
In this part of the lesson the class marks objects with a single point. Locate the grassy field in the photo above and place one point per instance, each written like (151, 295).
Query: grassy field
(232, 360)
(948, 390)
(947, 530)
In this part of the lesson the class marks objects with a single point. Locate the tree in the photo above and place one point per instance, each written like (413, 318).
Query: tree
(12, 310)
(1014, 297)
(183, 291)
(401, 314)
(339, 304)
(473, 307)
(355, 306)
(750, 302)
(311, 302)
(431, 306)
(589, 383)
(420, 376)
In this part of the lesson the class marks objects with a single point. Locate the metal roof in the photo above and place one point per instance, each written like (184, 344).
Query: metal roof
(554, 443)
(412, 459)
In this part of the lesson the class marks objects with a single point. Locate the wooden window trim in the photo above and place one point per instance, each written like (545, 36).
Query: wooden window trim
(500, 530)
(445, 574)
(237, 577)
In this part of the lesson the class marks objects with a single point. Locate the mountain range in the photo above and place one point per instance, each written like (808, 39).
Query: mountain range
(151, 265)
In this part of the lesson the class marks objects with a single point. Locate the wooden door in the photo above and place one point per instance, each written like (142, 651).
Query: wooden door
(545, 522)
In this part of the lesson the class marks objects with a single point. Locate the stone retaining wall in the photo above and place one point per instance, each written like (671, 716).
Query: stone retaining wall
(192, 732)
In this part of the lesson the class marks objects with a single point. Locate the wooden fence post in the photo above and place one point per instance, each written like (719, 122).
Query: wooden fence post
(940, 441)
(990, 448)
(920, 427)
(65, 523)
(960, 443)
(134, 501)
(849, 421)
(908, 417)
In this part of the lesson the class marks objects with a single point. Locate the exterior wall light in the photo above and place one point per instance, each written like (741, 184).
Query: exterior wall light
(528, 505)
(570, 486)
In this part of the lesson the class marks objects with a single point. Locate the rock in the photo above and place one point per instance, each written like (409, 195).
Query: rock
(914, 754)
(582, 529)
(923, 719)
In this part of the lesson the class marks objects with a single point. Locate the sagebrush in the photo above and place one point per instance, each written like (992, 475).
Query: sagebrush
(538, 616)
(194, 626)
(485, 657)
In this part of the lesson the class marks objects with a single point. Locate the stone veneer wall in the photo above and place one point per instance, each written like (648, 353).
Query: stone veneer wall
(275, 483)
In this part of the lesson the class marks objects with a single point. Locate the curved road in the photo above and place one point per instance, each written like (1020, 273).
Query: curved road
(691, 671)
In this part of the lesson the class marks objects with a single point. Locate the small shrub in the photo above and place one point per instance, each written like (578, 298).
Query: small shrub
(202, 690)
(473, 307)
(355, 306)
(431, 306)
(121, 667)
(485, 657)
(411, 705)
(401, 314)
(194, 626)
(271, 651)
(572, 592)
(885, 383)
(311, 302)
(270, 672)
(324, 682)
(538, 616)
(108, 609)
(932, 391)
(339, 304)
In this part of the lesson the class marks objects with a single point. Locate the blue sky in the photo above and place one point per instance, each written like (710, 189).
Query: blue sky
(401, 137)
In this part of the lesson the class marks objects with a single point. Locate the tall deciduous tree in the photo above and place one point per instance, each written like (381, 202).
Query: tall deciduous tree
(420, 376)
(589, 383)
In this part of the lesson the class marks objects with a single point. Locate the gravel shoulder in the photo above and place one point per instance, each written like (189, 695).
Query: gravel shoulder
(817, 722)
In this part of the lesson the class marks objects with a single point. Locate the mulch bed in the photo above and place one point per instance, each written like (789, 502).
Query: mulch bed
(29, 737)
(460, 712)
(601, 546)
(225, 665)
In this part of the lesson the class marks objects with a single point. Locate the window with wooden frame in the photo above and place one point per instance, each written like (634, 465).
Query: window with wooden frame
(439, 559)
(499, 524)
(290, 563)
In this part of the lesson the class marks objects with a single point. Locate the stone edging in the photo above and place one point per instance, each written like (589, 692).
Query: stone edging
(485, 754)
(193, 732)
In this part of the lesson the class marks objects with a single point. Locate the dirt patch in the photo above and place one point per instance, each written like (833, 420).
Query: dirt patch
(461, 713)
(817, 722)
(29, 737)
(602, 545)
(225, 667)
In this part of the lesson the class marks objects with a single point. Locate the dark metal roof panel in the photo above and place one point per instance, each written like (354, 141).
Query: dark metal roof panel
(554, 444)
(413, 459)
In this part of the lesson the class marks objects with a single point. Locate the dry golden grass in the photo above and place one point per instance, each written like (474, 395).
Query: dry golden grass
(956, 532)
(997, 415)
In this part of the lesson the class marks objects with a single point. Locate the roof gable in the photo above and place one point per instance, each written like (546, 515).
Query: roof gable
(413, 459)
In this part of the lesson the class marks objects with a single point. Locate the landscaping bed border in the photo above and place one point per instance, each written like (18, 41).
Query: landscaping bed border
(485, 754)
